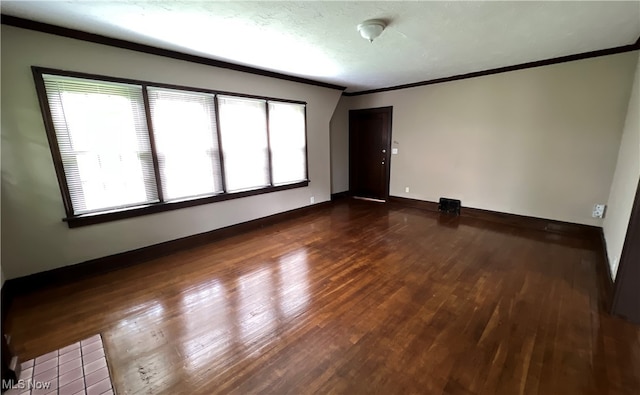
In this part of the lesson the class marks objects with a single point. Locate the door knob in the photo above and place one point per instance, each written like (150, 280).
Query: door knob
(384, 151)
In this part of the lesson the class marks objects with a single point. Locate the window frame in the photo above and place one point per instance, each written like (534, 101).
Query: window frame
(77, 220)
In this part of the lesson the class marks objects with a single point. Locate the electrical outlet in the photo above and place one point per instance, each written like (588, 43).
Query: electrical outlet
(312, 199)
(598, 211)
(406, 189)
(394, 151)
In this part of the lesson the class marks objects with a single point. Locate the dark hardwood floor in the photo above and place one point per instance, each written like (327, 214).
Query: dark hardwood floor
(357, 297)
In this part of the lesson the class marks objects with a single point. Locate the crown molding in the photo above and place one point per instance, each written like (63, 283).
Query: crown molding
(124, 44)
(114, 42)
(522, 66)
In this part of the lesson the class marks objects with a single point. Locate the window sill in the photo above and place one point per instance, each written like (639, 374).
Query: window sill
(97, 218)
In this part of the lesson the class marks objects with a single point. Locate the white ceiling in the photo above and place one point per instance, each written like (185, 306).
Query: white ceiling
(318, 40)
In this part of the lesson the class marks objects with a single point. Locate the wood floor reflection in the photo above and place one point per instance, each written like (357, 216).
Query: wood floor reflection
(357, 297)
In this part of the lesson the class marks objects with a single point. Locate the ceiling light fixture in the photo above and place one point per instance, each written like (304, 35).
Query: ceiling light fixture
(371, 29)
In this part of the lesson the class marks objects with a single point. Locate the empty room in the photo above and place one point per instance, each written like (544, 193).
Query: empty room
(344, 197)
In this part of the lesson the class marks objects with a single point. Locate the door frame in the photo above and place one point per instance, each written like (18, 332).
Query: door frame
(387, 173)
(624, 303)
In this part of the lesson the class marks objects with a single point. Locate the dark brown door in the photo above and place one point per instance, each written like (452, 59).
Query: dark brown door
(626, 299)
(369, 152)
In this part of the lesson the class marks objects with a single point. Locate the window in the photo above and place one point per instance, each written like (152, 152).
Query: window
(186, 140)
(124, 148)
(103, 141)
(288, 142)
(243, 123)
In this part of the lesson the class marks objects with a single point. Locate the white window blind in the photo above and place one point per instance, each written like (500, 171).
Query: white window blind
(103, 142)
(288, 142)
(185, 133)
(243, 128)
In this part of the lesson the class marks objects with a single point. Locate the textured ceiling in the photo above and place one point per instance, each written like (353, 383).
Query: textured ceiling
(318, 40)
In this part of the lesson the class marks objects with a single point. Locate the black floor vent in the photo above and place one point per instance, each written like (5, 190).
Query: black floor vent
(449, 206)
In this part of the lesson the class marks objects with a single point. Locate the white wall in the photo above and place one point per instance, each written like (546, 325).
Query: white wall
(35, 239)
(340, 146)
(541, 142)
(625, 180)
